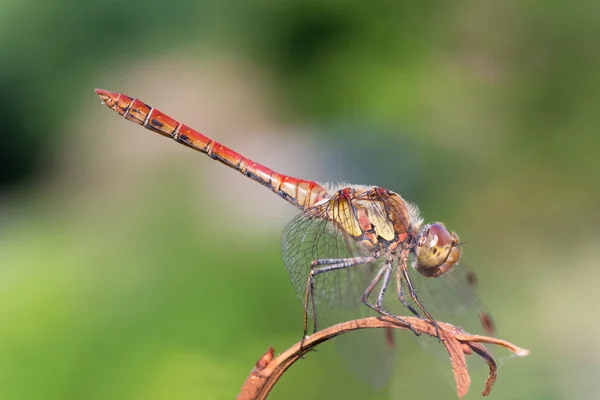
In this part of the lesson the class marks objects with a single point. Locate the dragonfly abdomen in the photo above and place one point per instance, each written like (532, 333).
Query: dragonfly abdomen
(299, 192)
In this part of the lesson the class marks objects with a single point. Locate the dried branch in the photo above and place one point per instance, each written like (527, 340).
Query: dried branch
(269, 368)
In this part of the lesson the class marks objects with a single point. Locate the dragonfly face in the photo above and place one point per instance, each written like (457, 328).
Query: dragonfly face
(436, 250)
(433, 247)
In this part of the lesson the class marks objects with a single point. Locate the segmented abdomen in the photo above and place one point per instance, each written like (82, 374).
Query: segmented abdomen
(299, 192)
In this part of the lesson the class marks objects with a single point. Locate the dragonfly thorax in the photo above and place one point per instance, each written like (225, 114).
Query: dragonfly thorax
(377, 218)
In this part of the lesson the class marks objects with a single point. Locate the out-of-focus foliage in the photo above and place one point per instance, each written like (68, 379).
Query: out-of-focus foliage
(132, 268)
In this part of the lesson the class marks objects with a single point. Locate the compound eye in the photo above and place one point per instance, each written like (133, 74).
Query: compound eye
(439, 235)
(433, 247)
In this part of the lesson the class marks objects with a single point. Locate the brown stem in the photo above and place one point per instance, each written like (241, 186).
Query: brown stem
(269, 368)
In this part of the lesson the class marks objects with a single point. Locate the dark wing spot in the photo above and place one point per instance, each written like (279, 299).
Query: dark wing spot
(472, 278)
(488, 324)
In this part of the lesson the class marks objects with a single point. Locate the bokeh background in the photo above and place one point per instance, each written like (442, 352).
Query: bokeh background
(134, 268)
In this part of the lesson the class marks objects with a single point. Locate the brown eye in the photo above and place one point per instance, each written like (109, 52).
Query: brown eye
(434, 246)
(439, 236)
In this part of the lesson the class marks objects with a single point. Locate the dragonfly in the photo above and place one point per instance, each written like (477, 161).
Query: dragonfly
(346, 247)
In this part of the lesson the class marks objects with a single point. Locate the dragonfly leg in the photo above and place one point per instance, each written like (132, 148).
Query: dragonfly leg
(318, 267)
(401, 297)
(386, 280)
(400, 287)
(385, 274)
(413, 295)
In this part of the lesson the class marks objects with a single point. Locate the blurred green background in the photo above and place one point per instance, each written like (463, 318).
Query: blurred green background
(133, 268)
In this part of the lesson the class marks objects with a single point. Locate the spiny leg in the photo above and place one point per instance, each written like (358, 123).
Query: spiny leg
(401, 297)
(402, 260)
(384, 273)
(326, 265)
(413, 295)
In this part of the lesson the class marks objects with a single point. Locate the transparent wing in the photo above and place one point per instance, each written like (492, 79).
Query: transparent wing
(313, 235)
(310, 236)
(452, 298)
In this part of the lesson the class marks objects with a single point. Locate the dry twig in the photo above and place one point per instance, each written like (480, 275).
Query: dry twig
(269, 368)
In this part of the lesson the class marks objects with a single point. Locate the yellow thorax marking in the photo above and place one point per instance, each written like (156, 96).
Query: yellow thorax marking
(358, 217)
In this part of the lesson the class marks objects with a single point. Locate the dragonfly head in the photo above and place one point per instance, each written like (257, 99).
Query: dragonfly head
(435, 245)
